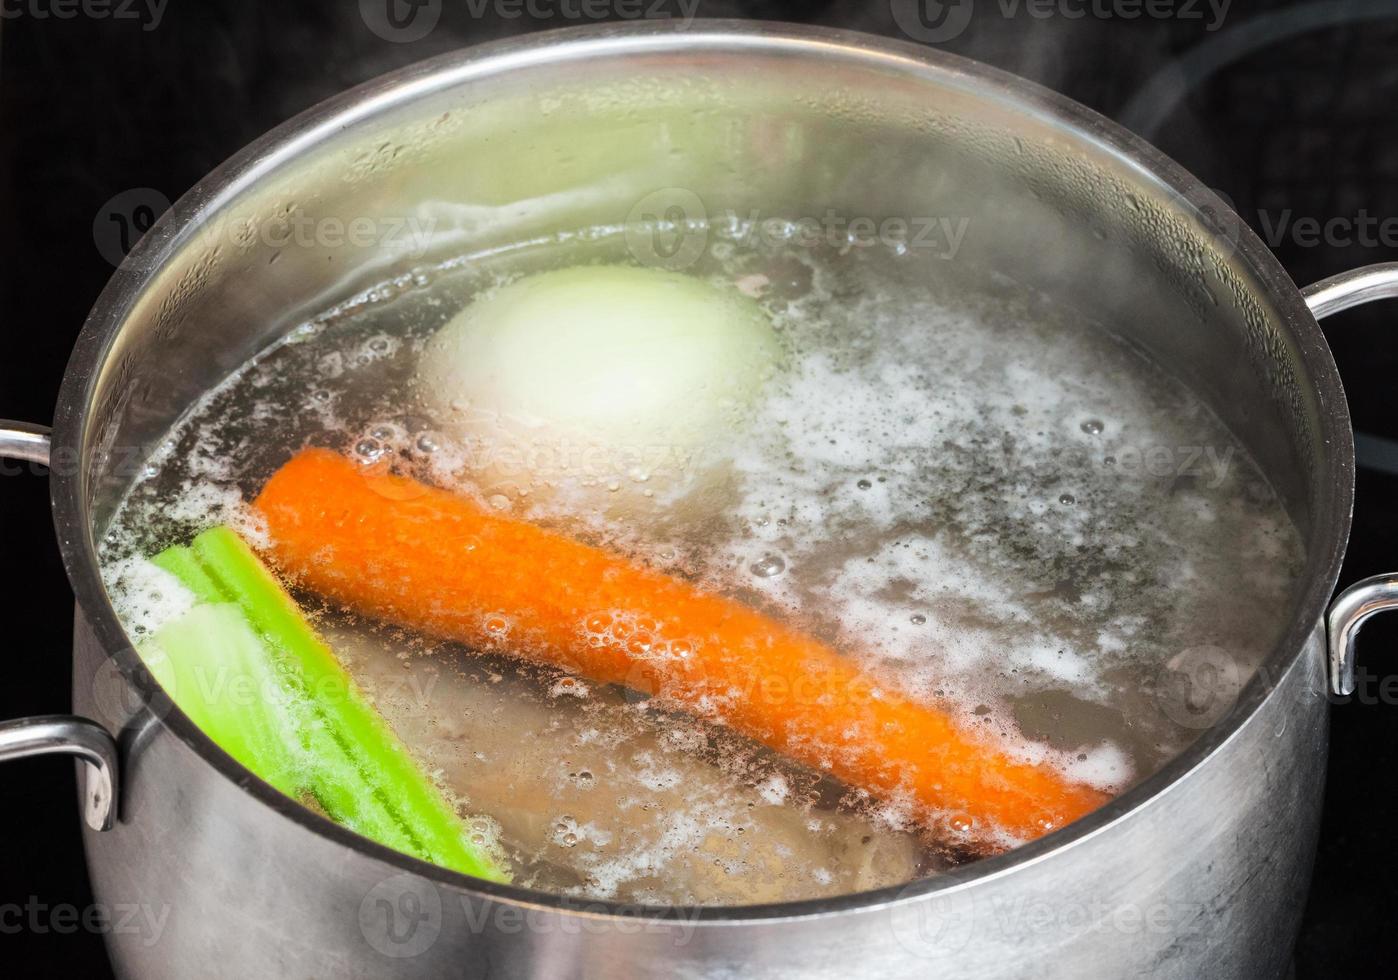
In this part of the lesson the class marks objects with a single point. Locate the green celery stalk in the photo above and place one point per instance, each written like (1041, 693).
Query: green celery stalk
(225, 689)
(358, 769)
(332, 775)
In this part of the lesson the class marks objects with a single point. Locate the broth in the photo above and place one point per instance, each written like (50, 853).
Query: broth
(999, 508)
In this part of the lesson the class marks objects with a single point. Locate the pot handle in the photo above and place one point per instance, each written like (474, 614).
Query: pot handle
(1352, 607)
(61, 734)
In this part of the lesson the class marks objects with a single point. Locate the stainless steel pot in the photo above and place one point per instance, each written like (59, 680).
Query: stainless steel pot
(1199, 871)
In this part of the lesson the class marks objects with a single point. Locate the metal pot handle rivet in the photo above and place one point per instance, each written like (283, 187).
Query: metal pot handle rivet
(1356, 604)
(61, 734)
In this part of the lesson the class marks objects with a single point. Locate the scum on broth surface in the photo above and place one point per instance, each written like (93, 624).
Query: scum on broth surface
(999, 508)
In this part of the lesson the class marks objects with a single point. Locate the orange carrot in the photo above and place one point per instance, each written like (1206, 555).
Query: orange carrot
(398, 550)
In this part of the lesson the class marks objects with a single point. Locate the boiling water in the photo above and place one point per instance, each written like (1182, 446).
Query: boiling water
(999, 508)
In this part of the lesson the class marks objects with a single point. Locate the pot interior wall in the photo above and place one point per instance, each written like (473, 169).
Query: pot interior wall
(526, 143)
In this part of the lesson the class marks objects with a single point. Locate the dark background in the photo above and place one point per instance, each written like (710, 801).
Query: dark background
(1297, 114)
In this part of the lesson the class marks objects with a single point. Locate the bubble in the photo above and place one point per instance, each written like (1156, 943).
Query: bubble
(864, 485)
(426, 443)
(1067, 499)
(918, 619)
(768, 567)
(1093, 427)
(565, 831)
(570, 686)
(369, 449)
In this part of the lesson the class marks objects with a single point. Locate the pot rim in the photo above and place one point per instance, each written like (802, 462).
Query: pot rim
(1331, 520)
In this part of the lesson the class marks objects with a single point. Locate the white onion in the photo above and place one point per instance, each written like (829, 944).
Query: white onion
(605, 372)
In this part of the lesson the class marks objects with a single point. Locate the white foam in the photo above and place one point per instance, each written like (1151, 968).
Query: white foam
(1105, 767)
(145, 596)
